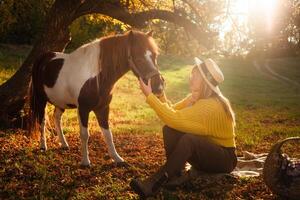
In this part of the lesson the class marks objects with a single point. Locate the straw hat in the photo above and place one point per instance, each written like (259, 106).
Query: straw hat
(211, 73)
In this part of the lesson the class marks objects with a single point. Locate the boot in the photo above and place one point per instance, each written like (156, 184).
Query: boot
(184, 177)
(151, 185)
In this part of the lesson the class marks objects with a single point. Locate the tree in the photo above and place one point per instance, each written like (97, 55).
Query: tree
(55, 36)
(272, 29)
(20, 21)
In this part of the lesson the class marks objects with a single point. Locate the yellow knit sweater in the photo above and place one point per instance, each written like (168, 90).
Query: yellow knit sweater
(206, 117)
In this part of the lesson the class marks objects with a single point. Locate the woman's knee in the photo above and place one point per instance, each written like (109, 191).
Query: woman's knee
(171, 137)
(188, 140)
(166, 128)
(167, 131)
(194, 142)
(191, 137)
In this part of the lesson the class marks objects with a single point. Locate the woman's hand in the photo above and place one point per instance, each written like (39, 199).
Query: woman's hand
(146, 89)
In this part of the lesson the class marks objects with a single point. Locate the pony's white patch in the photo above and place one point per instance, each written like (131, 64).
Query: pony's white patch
(84, 136)
(110, 145)
(78, 67)
(148, 55)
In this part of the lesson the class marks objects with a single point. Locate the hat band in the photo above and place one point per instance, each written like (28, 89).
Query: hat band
(208, 74)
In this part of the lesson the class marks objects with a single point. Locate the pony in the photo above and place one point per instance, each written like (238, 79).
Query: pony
(84, 79)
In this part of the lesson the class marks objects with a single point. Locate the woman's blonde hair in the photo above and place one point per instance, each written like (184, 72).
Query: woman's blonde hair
(208, 92)
(227, 106)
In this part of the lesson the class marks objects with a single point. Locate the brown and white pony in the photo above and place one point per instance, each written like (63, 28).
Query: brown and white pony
(84, 79)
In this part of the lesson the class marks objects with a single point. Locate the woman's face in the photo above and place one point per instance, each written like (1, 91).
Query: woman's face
(196, 80)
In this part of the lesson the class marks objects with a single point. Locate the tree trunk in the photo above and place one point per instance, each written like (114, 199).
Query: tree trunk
(56, 36)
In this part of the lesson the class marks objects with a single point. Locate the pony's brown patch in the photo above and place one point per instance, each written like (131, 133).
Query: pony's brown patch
(51, 71)
(95, 94)
(71, 105)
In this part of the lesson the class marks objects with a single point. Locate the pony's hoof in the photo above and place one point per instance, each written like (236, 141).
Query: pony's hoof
(122, 164)
(65, 148)
(43, 149)
(85, 164)
(118, 159)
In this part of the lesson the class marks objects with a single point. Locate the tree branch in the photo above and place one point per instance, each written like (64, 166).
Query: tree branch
(139, 20)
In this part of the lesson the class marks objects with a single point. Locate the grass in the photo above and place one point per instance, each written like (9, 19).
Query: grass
(11, 57)
(279, 65)
(266, 110)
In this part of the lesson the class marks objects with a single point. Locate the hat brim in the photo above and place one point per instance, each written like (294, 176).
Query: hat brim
(216, 89)
(198, 61)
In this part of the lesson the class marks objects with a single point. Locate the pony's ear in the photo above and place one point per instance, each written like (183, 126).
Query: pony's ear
(130, 36)
(150, 33)
(130, 32)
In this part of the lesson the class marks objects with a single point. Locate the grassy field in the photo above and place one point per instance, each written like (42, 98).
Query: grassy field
(266, 110)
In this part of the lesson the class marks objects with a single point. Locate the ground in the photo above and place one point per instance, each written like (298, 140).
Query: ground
(267, 110)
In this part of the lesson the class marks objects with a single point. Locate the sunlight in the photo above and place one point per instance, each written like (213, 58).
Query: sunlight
(241, 12)
(247, 6)
(240, 7)
(264, 8)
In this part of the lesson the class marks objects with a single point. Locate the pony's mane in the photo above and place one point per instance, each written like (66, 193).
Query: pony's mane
(113, 53)
(113, 50)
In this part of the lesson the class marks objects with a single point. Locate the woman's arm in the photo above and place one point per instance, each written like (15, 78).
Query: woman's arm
(182, 104)
(177, 106)
(193, 119)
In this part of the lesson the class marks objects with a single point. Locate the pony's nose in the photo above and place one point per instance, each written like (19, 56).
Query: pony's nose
(160, 87)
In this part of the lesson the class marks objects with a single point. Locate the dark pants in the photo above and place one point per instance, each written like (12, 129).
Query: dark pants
(201, 153)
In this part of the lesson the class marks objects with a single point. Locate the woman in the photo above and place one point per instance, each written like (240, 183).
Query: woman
(199, 129)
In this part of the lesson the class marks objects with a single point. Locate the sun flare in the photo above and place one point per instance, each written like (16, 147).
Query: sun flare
(255, 8)
(254, 11)
(250, 6)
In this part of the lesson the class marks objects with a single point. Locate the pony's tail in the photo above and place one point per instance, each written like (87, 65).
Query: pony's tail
(37, 98)
(33, 113)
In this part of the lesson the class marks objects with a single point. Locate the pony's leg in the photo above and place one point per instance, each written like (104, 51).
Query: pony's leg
(41, 121)
(83, 116)
(57, 121)
(43, 140)
(102, 117)
(108, 137)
